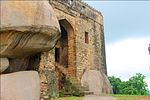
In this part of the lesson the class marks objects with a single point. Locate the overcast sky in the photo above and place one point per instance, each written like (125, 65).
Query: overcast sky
(127, 36)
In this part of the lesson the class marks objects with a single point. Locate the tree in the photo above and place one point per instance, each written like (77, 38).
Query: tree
(134, 86)
(138, 84)
(115, 82)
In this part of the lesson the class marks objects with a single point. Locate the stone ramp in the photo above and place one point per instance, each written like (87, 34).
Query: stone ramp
(94, 97)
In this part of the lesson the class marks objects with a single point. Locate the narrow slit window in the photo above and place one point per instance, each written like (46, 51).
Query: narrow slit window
(57, 54)
(86, 37)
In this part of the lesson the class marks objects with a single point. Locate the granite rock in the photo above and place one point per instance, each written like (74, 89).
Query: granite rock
(96, 81)
(24, 85)
(27, 27)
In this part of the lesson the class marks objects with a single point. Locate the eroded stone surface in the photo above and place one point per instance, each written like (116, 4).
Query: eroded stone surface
(4, 63)
(77, 21)
(96, 81)
(20, 86)
(27, 27)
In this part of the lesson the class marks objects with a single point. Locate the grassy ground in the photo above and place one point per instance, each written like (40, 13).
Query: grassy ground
(70, 98)
(118, 97)
(131, 97)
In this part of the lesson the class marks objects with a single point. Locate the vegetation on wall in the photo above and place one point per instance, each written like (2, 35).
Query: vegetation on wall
(70, 88)
(52, 84)
(134, 86)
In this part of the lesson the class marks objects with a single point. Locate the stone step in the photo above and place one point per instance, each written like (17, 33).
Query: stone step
(88, 93)
(78, 85)
(81, 88)
(84, 89)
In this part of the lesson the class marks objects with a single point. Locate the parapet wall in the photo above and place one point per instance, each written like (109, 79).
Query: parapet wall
(79, 7)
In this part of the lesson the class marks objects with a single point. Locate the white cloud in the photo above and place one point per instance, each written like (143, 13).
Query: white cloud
(127, 57)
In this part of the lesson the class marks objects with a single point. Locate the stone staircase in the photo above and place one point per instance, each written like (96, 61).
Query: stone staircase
(83, 90)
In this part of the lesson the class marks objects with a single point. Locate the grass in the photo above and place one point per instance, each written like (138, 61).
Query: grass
(131, 97)
(70, 98)
(118, 97)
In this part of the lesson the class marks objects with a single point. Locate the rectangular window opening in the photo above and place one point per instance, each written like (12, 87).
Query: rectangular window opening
(86, 37)
(57, 54)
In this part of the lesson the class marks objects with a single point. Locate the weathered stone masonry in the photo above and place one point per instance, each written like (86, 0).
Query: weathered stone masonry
(77, 19)
(31, 45)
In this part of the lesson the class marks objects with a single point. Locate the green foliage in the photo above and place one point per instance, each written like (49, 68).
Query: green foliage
(52, 83)
(70, 98)
(134, 86)
(148, 92)
(70, 89)
(53, 95)
(115, 82)
(61, 93)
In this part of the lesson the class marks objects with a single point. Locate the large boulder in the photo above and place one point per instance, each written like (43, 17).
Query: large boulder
(23, 85)
(96, 81)
(27, 27)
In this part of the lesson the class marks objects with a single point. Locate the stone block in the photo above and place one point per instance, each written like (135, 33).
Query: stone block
(23, 85)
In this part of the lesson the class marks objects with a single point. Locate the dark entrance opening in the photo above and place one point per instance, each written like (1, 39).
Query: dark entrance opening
(64, 47)
(57, 55)
(61, 50)
(61, 55)
(34, 62)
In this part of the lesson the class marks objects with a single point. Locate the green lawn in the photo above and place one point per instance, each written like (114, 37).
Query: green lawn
(118, 97)
(131, 97)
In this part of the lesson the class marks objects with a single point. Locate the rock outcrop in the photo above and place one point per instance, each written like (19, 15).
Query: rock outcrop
(24, 85)
(27, 27)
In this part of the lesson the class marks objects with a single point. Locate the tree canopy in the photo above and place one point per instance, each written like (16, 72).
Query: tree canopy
(134, 86)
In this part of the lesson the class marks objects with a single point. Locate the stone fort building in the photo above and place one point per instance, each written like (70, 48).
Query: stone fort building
(80, 52)
(29, 43)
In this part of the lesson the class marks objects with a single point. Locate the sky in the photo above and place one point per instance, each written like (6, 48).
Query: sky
(127, 36)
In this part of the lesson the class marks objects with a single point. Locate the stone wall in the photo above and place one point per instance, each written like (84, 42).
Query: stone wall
(78, 19)
(83, 19)
(47, 74)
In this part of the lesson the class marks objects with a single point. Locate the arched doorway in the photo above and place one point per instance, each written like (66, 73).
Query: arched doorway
(61, 49)
(65, 52)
